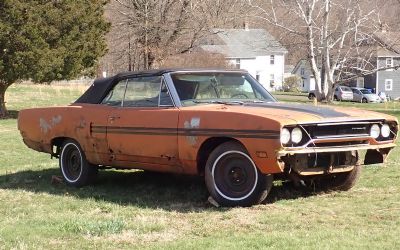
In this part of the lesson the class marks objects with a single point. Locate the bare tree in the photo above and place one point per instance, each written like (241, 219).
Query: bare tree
(151, 30)
(197, 60)
(338, 36)
(147, 32)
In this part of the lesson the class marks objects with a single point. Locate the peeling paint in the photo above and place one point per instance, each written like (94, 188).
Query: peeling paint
(194, 123)
(82, 124)
(45, 126)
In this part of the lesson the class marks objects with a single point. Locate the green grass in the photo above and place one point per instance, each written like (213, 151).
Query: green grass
(127, 210)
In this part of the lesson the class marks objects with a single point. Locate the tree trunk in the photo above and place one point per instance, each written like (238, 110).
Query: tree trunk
(3, 109)
(146, 38)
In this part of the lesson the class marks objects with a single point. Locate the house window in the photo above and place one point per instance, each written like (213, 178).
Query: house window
(272, 59)
(389, 62)
(388, 85)
(302, 71)
(237, 63)
(272, 80)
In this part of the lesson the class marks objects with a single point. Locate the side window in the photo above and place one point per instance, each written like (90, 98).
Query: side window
(142, 92)
(139, 92)
(116, 96)
(165, 97)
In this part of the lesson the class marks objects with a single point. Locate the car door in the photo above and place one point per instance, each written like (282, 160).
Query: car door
(95, 118)
(142, 128)
(356, 95)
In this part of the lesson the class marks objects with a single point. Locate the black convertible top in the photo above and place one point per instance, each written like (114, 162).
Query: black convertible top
(100, 87)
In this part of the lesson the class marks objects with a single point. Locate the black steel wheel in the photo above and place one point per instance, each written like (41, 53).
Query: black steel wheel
(76, 170)
(233, 179)
(342, 181)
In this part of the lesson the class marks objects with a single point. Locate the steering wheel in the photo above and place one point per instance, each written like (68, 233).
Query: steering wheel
(240, 96)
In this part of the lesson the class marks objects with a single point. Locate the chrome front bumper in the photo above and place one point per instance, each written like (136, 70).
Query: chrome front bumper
(305, 150)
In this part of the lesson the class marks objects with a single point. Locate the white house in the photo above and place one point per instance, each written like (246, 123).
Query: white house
(254, 50)
(303, 70)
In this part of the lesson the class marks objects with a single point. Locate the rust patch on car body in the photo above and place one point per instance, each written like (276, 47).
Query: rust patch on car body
(45, 125)
(193, 124)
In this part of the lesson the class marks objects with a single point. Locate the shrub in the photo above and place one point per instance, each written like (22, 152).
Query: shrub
(292, 84)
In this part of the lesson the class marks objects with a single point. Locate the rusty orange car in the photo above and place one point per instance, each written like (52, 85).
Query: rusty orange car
(220, 124)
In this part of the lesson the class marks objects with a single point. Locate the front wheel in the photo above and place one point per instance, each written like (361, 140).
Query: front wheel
(364, 100)
(342, 181)
(233, 179)
(76, 170)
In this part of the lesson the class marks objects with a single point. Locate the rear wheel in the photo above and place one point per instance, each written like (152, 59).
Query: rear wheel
(364, 100)
(233, 179)
(336, 98)
(76, 170)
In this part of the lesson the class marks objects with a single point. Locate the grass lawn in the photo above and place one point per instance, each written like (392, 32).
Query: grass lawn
(137, 209)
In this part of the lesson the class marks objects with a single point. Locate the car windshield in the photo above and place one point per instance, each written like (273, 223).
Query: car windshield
(218, 87)
(365, 91)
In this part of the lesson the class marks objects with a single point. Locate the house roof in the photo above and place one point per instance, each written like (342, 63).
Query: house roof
(242, 43)
(389, 43)
(288, 68)
(301, 62)
(306, 64)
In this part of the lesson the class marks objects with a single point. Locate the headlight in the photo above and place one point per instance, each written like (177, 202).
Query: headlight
(385, 130)
(297, 135)
(375, 131)
(285, 136)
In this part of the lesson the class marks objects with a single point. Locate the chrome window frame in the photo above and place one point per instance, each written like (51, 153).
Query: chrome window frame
(163, 80)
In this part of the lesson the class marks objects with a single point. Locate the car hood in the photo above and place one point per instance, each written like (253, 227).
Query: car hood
(289, 113)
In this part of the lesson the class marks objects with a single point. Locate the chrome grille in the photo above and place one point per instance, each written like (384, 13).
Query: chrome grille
(337, 131)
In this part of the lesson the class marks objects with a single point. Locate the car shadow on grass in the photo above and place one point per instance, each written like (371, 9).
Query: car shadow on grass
(133, 188)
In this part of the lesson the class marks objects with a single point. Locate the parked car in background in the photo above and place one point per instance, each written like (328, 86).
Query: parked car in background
(311, 95)
(384, 97)
(343, 93)
(219, 124)
(364, 95)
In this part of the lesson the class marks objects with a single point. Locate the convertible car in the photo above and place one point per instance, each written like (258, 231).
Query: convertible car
(220, 124)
